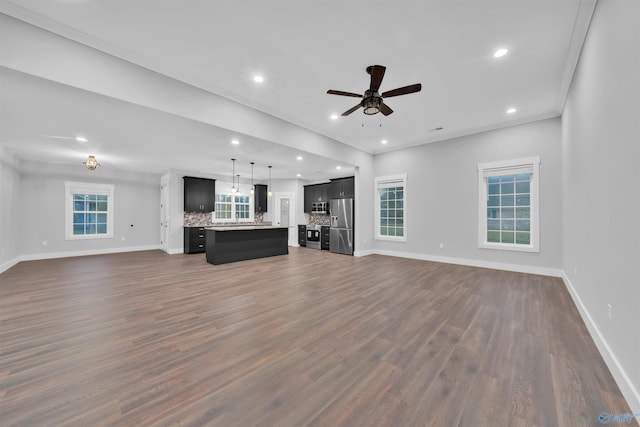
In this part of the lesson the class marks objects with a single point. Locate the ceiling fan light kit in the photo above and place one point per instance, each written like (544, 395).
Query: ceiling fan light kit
(372, 101)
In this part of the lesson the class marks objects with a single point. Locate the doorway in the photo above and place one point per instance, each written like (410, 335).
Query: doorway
(285, 214)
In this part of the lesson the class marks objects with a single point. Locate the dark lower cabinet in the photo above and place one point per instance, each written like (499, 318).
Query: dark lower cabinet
(324, 237)
(194, 240)
(302, 235)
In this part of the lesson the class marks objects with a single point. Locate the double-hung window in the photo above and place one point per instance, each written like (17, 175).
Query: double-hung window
(88, 211)
(234, 208)
(391, 207)
(508, 205)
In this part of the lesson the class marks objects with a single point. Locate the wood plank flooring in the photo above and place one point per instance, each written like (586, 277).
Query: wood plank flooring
(312, 338)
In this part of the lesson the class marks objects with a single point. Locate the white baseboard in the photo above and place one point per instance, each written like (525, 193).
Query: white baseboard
(629, 391)
(543, 271)
(7, 265)
(33, 257)
(174, 251)
(364, 253)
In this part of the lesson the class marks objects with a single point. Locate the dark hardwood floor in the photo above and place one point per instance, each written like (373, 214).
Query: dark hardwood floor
(312, 338)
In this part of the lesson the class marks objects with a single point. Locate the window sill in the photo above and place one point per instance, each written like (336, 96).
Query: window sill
(509, 247)
(391, 239)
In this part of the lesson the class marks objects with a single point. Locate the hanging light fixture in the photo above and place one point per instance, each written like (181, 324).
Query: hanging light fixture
(233, 177)
(91, 163)
(238, 186)
(253, 188)
(269, 191)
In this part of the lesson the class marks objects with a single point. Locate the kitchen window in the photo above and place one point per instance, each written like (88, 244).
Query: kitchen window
(391, 208)
(508, 208)
(88, 211)
(233, 208)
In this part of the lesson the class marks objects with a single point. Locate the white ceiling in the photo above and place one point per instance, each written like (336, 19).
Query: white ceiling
(302, 49)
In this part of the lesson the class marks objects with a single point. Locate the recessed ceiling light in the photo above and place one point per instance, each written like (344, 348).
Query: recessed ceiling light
(258, 79)
(81, 139)
(299, 158)
(235, 142)
(338, 167)
(384, 141)
(298, 175)
(511, 110)
(500, 53)
(334, 117)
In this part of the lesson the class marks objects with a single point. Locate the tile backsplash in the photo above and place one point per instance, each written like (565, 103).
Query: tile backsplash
(320, 219)
(198, 219)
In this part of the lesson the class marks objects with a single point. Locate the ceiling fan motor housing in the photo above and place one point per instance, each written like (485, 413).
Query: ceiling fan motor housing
(371, 102)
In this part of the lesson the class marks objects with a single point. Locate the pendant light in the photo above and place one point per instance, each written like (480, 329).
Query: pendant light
(238, 186)
(233, 177)
(269, 191)
(253, 188)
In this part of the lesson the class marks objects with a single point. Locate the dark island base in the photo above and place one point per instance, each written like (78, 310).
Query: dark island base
(239, 245)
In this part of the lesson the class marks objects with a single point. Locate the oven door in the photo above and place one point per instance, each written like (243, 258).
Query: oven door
(313, 235)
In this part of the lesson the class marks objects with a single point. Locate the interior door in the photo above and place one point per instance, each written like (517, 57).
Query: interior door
(285, 212)
(284, 204)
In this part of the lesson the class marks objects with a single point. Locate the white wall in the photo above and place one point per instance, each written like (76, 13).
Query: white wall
(9, 181)
(442, 196)
(601, 154)
(294, 186)
(98, 72)
(41, 198)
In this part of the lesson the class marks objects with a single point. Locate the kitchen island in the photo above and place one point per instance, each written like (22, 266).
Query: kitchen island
(230, 244)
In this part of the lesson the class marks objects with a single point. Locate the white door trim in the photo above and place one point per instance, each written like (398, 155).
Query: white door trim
(293, 236)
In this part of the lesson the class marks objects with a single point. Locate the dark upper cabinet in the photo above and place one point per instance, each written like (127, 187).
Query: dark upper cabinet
(343, 188)
(199, 194)
(309, 192)
(323, 192)
(316, 193)
(260, 194)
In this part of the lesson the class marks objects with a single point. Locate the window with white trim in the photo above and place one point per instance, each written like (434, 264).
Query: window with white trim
(234, 208)
(88, 211)
(508, 205)
(391, 208)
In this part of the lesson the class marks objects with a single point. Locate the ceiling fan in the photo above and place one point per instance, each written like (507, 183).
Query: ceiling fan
(372, 99)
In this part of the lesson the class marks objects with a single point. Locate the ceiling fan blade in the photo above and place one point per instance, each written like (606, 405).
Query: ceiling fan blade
(351, 110)
(339, 92)
(403, 90)
(377, 73)
(385, 109)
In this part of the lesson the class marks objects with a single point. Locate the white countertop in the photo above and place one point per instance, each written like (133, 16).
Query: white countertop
(244, 227)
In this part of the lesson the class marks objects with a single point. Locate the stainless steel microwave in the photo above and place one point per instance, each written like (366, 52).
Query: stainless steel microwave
(320, 207)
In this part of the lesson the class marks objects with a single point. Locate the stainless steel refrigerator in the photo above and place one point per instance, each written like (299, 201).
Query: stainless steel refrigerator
(341, 232)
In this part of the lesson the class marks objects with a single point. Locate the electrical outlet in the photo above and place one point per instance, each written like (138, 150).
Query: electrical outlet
(610, 311)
